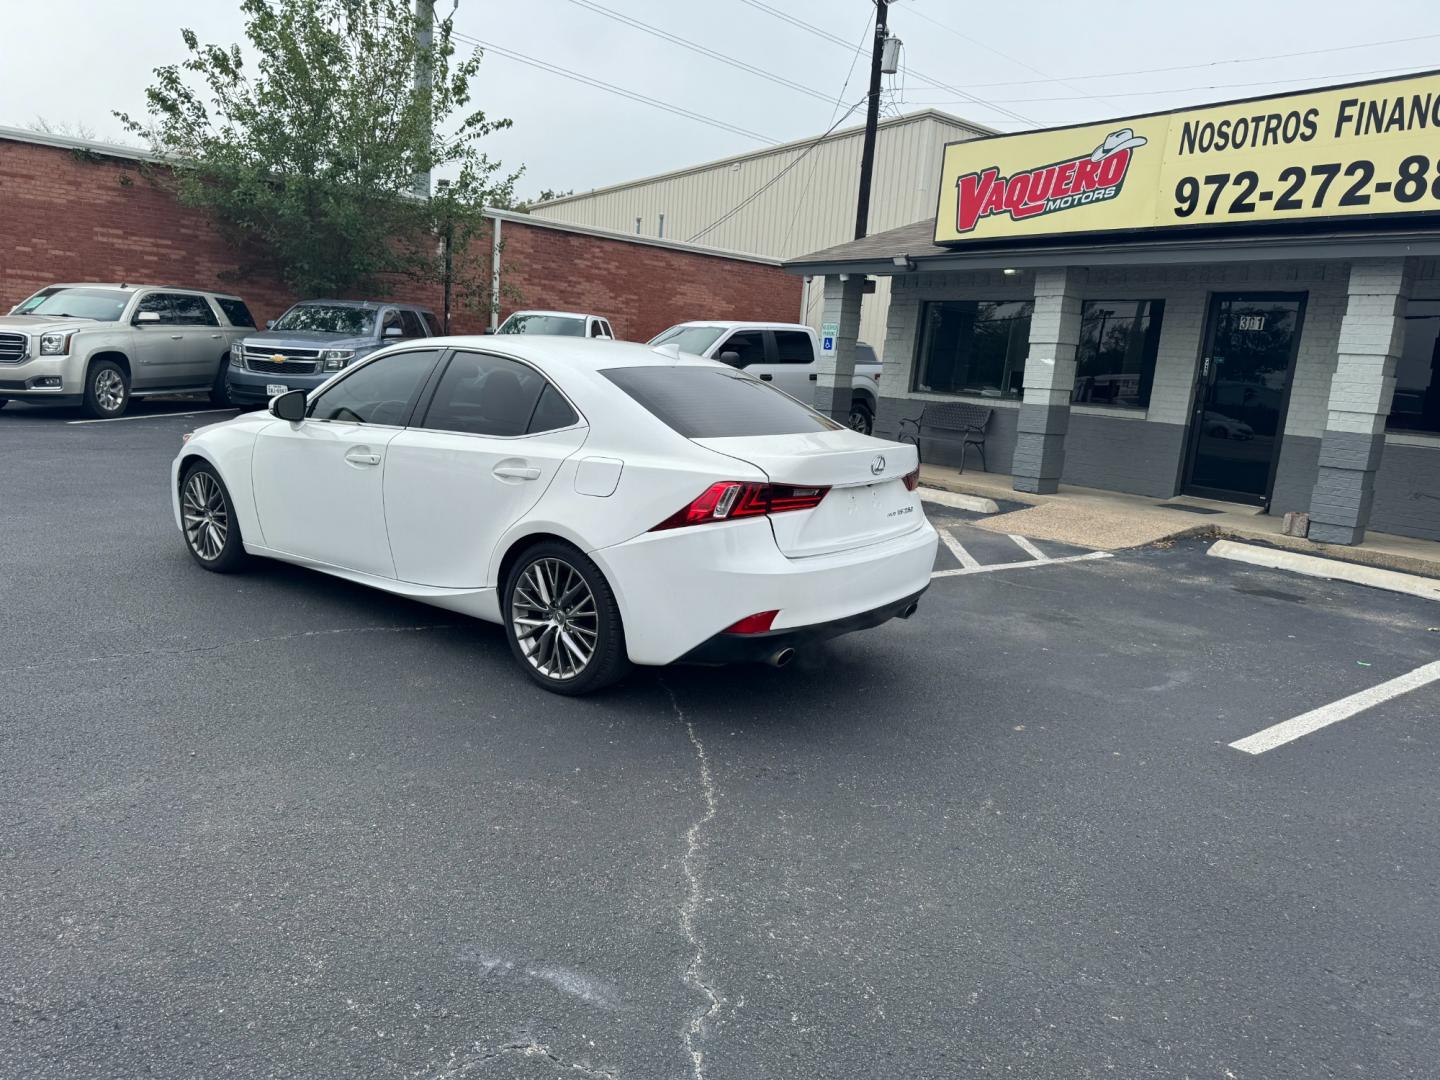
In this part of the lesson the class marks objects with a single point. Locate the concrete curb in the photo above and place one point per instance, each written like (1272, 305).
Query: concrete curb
(958, 501)
(1313, 566)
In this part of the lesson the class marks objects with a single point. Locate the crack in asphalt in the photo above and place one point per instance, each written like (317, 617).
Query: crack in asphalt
(529, 1048)
(190, 650)
(691, 906)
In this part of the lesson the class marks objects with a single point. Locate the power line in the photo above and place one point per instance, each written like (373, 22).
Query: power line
(1207, 64)
(655, 31)
(912, 10)
(1192, 89)
(613, 89)
(777, 177)
(759, 5)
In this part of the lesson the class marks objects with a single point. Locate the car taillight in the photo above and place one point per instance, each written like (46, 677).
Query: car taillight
(731, 499)
(912, 479)
(758, 623)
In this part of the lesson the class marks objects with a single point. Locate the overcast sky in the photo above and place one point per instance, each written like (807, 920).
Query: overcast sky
(73, 61)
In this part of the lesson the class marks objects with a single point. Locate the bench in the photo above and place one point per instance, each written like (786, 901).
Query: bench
(957, 423)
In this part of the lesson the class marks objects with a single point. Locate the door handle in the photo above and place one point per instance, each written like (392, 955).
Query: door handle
(362, 457)
(813, 376)
(767, 378)
(215, 336)
(517, 472)
(177, 337)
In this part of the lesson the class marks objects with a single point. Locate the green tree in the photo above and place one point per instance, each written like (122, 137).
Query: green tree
(310, 161)
(546, 194)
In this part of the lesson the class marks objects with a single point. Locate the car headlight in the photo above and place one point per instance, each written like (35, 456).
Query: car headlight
(336, 359)
(55, 344)
(237, 354)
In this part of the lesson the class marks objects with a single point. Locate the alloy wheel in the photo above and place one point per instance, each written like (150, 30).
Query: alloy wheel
(858, 420)
(207, 523)
(109, 389)
(555, 619)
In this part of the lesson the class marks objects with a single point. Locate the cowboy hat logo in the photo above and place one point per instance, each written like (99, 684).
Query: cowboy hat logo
(1089, 177)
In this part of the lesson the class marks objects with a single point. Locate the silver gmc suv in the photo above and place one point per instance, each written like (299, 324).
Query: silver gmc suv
(100, 345)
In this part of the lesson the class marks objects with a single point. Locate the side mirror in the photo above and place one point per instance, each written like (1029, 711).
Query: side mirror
(289, 406)
(492, 329)
(393, 331)
(731, 357)
(269, 324)
(146, 316)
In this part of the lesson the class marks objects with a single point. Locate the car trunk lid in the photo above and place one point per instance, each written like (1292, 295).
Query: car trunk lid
(867, 502)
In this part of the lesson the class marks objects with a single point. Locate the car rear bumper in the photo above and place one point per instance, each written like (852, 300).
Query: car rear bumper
(745, 648)
(679, 588)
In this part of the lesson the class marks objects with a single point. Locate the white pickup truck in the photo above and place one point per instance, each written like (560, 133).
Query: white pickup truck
(782, 353)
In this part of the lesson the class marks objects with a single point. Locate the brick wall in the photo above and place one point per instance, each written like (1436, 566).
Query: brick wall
(74, 217)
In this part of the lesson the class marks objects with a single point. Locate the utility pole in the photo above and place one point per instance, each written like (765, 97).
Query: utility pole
(872, 118)
(424, 75)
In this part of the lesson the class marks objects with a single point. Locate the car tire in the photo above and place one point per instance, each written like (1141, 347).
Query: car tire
(584, 650)
(220, 392)
(107, 390)
(207, 521)
(861, 419)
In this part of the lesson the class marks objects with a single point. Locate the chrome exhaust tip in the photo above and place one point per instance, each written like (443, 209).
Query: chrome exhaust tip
(781, 658)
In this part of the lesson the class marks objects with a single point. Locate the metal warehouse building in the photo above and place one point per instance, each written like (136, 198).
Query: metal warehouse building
(1239, 302)
(810, 206)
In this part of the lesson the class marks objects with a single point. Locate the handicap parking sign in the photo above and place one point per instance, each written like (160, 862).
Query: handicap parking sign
(828, 344)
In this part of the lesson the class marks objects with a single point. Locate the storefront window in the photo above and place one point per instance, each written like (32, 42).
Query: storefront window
(973, 347)
(1417, 374)
(1115, 363)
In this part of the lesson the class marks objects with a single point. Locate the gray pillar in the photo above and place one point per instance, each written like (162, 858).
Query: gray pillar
(1371, 337)
(1049, 380)
(839, 327)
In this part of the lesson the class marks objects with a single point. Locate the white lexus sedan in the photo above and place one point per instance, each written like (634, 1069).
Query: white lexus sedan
(609, 503)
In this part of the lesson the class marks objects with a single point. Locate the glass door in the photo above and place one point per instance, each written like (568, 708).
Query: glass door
(1243, 390)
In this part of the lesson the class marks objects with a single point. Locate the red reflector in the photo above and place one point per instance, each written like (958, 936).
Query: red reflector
(731, 499)
(753, 624)
(912, 479)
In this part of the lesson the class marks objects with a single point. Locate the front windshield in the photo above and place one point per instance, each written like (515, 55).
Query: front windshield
(104, 305)
(327, 319)
(558, 325)
(691, 339)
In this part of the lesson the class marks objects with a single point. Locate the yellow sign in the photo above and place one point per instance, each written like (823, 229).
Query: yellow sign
(1368, 149)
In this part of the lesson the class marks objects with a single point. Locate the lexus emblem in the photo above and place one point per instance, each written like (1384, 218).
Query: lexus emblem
(878, 465)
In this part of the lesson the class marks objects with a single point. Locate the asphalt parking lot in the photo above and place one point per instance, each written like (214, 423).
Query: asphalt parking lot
(277, 825)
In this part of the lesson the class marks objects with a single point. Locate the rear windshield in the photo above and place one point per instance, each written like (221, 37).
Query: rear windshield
(713, 403)
(557, 325)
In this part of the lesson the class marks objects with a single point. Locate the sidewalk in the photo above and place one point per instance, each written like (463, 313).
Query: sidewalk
(1110, 520)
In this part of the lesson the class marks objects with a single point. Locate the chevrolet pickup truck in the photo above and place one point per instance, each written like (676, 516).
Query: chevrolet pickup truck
(781, 353)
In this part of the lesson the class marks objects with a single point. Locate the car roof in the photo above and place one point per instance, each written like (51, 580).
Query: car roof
(572, 353)
(726, 324)
(561, 314)
(130, 286)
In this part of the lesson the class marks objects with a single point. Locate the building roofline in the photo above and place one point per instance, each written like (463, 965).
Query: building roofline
(70, 142)
(629, 238)
(778, 148)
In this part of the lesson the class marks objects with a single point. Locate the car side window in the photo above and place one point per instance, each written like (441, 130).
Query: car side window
(432, 324)
(159, 303)
(380, 392)
(793, 347)
(391, 318)
(596, 329)
(410, 323)
(480, 394)
(236, 311)
(749, 345)
(192, 310)
(605, 325)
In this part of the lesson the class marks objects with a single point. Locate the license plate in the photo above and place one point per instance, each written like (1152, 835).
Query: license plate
(276, 388)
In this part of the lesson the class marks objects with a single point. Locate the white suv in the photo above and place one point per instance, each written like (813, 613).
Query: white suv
(101, 345)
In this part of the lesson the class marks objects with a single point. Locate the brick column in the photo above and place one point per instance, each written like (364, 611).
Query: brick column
(1371, 337)
(1049, 381)
(835, 368)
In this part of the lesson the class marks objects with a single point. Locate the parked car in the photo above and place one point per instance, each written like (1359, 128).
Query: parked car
(783, 354)
(557, 324)
(101, 345)
(609, 505)
(315, 339)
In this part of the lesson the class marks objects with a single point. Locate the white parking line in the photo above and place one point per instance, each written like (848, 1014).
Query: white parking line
(1315, 719)
(958, 550)
(1029, 548)
(150, 416)
(1028, 563)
